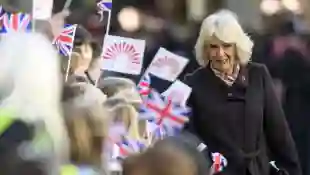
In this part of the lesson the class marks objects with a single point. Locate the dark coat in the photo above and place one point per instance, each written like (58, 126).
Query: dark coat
(244, 122)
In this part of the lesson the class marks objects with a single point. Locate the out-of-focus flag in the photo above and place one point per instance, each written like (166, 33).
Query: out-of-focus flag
(129, 146)
(104, 5)
(42, 9)
(144, 86)
(219, 162)
(2, 12)
(14, 22)
(163, 112)
(64, 41)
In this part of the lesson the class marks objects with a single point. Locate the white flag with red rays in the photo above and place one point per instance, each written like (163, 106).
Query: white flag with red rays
(124, 55)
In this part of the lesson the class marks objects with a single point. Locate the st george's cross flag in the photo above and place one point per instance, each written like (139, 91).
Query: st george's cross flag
(14, 22)
(64, 41)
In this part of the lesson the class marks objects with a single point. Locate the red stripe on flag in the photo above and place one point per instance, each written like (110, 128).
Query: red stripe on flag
(165, 113)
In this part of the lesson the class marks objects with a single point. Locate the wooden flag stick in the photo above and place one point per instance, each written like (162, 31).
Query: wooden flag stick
(68, 68)
(107, 31)
(106, 34)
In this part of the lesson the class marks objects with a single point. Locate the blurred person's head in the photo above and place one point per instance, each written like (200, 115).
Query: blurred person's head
(124, 113)
(31, 84)
(112, 85)
(222, 42)
(121, 88)
(170, 156)
(166, 159)
(87, 129)
(83, 94)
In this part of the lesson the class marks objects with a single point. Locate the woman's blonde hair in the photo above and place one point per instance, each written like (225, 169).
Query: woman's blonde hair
(112, 85)
(124, 112)
(87, 129)
(83, 94)
(225, 26)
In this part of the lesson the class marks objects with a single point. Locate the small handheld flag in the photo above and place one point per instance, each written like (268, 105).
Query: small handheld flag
(219, 162)
(129, 146)
(2, 12)
(64, 41)
(144, 86)
(104, 5)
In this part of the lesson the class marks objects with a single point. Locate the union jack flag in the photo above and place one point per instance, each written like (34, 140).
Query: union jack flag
(163, 112)
(2, 12)
(129, 146)
(104, 5)
(13, 22)
(64, 41)
(144, 86)
(155, 131)
(219, 162)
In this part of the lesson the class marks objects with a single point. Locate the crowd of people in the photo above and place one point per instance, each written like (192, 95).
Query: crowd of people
(49, 125)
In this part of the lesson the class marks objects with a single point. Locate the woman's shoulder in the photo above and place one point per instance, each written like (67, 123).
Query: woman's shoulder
(256, 65)
(258, 68)
(192, 76)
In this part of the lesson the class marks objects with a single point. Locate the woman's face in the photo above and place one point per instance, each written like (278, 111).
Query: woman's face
(220, 54)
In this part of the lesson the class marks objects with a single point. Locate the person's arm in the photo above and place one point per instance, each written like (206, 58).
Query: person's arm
(276, 129)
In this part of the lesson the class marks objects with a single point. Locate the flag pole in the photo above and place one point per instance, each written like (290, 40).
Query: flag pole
(106, 34)
(66, 6)
(70, 57)
(107, 31)
(68, 68)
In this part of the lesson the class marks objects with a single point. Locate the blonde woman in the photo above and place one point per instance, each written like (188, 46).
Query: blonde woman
(87, 124)
(124, 113)
(123, 88)
(234, 105)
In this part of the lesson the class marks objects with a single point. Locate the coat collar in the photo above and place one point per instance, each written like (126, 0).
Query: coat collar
(242, 79)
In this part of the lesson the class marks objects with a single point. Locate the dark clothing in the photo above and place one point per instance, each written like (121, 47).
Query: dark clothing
(243, 121)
